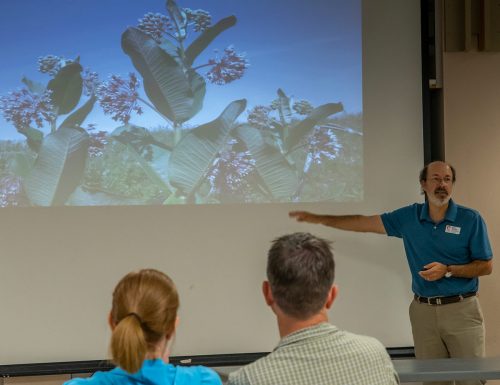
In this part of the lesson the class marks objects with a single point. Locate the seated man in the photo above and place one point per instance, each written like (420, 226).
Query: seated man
(300, 290)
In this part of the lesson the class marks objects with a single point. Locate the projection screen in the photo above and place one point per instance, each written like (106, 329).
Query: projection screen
(178, 136)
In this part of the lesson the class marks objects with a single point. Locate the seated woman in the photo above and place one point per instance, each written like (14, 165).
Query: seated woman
(143, 319)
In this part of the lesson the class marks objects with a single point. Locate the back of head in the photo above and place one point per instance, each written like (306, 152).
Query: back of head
(144, 311)
(300, 270)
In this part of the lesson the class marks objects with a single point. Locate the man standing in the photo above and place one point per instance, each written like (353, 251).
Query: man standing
(447, 248)
(300, 290)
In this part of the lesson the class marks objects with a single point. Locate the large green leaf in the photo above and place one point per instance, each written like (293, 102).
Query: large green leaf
(58, 168)
(208, 35)
(66, 88)
(170, 48)
(195, 153)
(179, 18)
(279, 177)
(33, 136)
(197, 84)
(284, 107)
(298, 131)
(159, 164)
(77, 118)
(176, 94)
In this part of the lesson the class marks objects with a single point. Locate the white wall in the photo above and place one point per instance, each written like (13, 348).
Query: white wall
(472, 137)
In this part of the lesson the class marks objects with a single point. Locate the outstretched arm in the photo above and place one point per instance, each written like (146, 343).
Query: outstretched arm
(359, 223)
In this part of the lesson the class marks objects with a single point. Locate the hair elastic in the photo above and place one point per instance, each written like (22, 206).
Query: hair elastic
(136, 316)
(144, 326)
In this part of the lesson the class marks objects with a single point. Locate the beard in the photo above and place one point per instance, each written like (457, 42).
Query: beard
(439, 197)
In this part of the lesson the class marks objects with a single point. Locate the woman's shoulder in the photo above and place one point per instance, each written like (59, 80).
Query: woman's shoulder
(197, 375)
(98, 378)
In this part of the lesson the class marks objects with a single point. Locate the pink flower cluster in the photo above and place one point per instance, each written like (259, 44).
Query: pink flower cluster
(323, 144)
(90, 82)
(229, 170)
(24, 107)
(231, 66)
(98, 141)
(118, 97)
(155, 25)
(259, 117)
(199, 18)
(50, 64)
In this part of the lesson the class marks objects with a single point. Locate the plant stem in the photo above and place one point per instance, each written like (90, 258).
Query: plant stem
(177, 133)
(203, 65)
(53, 126)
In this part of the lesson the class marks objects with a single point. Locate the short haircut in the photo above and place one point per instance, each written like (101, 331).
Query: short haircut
(300, 270)
(423, 172)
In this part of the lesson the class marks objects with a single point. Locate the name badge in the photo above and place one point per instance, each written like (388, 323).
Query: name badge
(452, 229)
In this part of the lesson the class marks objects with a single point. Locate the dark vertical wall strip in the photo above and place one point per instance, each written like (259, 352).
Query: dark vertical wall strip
(432, 98)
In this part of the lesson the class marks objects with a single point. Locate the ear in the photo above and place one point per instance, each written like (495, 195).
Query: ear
(169, 335)
(111, 323)
(268, 294)
(332, 295)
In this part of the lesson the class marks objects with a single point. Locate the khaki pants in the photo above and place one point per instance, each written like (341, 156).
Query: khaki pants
(455, 330)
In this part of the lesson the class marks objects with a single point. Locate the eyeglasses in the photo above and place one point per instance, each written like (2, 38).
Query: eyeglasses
(445, 180)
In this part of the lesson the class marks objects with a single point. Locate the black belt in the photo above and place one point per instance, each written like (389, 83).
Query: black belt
(443, 300)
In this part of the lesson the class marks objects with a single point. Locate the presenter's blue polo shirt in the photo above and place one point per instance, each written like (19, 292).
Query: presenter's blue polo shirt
(460, 238)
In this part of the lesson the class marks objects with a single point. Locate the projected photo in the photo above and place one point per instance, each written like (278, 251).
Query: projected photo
(106, 102)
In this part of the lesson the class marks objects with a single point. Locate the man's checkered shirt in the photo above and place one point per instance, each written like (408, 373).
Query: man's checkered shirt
(321, 355)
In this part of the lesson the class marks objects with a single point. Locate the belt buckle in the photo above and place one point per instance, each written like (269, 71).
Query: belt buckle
(433, 301)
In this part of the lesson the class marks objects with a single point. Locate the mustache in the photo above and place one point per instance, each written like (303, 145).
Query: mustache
(440, 190)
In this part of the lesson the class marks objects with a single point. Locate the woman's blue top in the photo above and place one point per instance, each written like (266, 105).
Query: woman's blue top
(153, 372)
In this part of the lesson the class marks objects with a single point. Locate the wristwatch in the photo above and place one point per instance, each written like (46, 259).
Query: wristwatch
(448, 273)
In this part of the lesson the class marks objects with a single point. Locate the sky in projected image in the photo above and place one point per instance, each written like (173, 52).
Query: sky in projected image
(169, 103)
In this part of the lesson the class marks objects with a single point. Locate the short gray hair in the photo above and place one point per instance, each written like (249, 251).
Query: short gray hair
(300, 270)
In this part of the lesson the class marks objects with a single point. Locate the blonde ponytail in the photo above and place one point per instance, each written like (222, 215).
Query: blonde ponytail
(128, 344)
